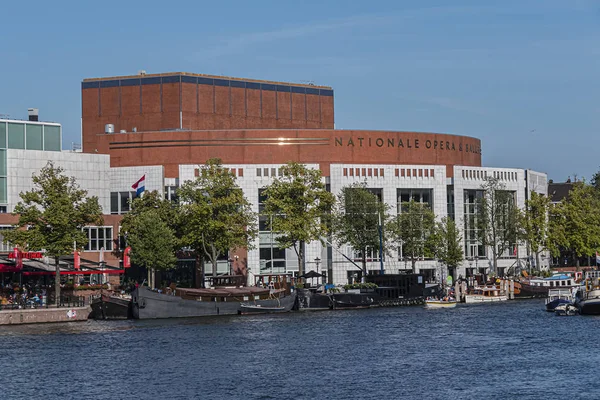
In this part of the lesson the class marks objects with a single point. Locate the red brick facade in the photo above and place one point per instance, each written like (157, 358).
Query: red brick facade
(156, 102)
(184, 118)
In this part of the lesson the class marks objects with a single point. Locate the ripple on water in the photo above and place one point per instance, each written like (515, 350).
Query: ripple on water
(499, 351)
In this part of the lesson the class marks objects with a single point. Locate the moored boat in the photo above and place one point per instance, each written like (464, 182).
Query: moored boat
(111, 307)
(587, 298)
(557, 297)
(183, 302)
(566, 309)
(540, 287)
(485, 294)
(435, 304)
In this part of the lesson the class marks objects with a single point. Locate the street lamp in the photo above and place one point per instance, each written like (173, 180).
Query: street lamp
(317, 261)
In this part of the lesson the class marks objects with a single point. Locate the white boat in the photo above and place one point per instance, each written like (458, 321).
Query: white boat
(440, 304)
(566, 309)
(485, 294)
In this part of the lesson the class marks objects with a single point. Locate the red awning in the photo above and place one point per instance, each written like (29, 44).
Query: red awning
(105, 271)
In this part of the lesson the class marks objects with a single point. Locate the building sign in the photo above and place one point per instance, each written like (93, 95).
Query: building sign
(30, 255)
(126, 259)
(404, 143)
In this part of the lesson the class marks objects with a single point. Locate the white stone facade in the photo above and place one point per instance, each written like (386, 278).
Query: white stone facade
(94, 174)
(91, 171)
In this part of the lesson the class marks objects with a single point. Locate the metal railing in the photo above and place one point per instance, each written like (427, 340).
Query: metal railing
(48, 302)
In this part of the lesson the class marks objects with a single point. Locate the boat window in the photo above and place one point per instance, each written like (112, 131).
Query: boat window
(569, 282)
(551, 284)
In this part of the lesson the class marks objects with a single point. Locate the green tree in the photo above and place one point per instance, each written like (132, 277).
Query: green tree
(533, 224)
(447, 243)
(498, 217)
(152, 243)
(414, 230)
(166, 210)
(299, 207)
(52, 216)
(357, 220)
(575, 223)
(216, 217)
(150, 229)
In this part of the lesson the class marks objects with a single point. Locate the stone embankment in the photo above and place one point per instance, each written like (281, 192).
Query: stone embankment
(44, 315)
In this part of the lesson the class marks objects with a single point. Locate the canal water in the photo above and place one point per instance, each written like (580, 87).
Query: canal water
(513, 350)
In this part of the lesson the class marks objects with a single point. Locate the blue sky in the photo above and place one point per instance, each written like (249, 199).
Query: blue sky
(521, 75)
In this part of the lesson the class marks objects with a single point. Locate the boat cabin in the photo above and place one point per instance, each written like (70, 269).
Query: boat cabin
(555, 281)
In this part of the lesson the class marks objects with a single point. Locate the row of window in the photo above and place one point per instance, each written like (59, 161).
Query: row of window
(478, 174)
(376, 172)
(239, 172)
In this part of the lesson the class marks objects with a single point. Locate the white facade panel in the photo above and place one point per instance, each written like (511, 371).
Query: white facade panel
(91, 172)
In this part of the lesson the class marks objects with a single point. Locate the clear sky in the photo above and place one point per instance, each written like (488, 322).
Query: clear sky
(521, 75)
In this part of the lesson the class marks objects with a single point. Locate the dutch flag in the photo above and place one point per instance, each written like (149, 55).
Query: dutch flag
(139, 186)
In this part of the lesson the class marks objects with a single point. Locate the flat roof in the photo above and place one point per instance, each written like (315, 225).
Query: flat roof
(26, 121)
(138, 76)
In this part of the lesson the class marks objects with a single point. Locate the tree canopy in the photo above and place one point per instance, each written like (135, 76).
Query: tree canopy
(216, 217)
(300, 208)
(54, 213)
(533, 224)
(575, 222)
(357, 219)
(413, 230)
(447, 243)
(497, 218)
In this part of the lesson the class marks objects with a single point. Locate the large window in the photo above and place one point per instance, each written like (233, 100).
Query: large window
(51, 138)
(272, 257)
(34, 137)
(423, 196)
(16, 136)
(472, 205)
(99, 237)
(171, 194)
(120, 202)
(5, 246)
(417, 195)
(450, 201)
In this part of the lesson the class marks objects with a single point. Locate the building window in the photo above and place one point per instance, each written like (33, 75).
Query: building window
(99, 237)
(171, 194)
(417, 195)
(120, 202)
(450, 201)
(5, 246)
(241, 172)
(258, 172)
(472, 205)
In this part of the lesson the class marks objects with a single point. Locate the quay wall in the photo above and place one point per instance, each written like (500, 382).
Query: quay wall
(44, 315)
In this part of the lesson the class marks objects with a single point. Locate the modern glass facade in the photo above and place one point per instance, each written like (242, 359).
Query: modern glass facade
(25, 135)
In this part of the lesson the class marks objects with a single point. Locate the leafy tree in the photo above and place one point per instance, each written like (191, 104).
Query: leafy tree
(216, 217)
(413, 229)
(595, 181)
(533, 224)
(300, 208)
(447, 243)
(166, 210)
(150, 228)
(575, 223)
(152, 243)
(498, 218)
(357, 218)
(52, 216)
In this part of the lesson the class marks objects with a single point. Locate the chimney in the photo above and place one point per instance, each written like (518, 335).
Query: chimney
(34, 114)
